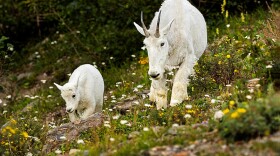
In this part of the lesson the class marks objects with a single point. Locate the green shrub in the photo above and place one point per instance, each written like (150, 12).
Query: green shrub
(256, 118)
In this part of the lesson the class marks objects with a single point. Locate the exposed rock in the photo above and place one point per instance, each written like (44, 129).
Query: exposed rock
(133, 134)
(165, 150)
(71, 131)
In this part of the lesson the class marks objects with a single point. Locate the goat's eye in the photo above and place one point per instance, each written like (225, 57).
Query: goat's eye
(73, 96)
(162, 44)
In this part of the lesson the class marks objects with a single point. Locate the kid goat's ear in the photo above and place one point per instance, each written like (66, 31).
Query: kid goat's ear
(58, 86)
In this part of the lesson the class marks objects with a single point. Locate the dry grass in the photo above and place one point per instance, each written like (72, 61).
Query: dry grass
(272, 29)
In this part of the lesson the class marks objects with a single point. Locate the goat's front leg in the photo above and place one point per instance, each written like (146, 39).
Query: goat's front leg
(181, 81)
(87, 112)
(73, 117)
(158, 93)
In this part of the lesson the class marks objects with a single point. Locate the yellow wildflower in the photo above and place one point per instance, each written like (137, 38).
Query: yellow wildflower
(223, 6)
(241, 110)
(220, 62)
(13, 121)
(24, 134)
(226, 111)
(226, 14)
(11, 129)
(242, 17)
(231, 103)
(143, 60)
(217, 31)
(235, 70)
(234, 115)
(228, 56)
(190, 111)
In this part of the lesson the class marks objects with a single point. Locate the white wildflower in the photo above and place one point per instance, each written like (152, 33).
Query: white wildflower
(29, 154)
(107, 125)
(249, 97)
(80, 141)
(43, 81)
(187, 116)
(123, 122)
(147, 105)
(136, 102)
(112, 139)
(11, 48)
(128, 124)
(116, 117)
(247, 37)
(35, 118)
(9, 96)
(133, 56)
(58, 151)
(175, 125)
(140, 86)
(188, 106)
(213, 101)
(268, 66)
(228, 25)
(118, 83)
(62, 137)
(251, 90)
(135, 90)
(1, 101)
(145, 129)
(218, 114)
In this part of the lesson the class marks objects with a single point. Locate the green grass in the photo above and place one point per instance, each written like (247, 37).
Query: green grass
(235, 55)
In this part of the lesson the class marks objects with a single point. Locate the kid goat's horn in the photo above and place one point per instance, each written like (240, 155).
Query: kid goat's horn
(147, 34)
(157, 30)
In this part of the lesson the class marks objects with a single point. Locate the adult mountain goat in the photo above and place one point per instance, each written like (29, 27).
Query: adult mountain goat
(177, 37)
(83, 93)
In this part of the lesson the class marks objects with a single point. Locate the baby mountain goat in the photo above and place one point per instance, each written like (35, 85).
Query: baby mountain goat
(83, 93)
(177, 37)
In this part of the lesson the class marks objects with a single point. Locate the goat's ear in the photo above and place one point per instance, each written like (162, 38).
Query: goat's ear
(58, 86)
(140, 29)
(166, 29)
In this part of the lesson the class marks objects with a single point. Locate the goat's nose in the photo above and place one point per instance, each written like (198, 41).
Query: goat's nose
(154, 75)
(69, 110)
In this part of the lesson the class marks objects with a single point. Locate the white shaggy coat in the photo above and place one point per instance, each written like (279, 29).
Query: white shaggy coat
(83, 93)
(182, 40)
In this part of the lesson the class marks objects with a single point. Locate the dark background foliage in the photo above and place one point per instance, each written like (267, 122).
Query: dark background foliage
(105, 26)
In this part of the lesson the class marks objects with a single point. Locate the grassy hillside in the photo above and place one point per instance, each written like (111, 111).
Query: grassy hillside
(237, 76)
